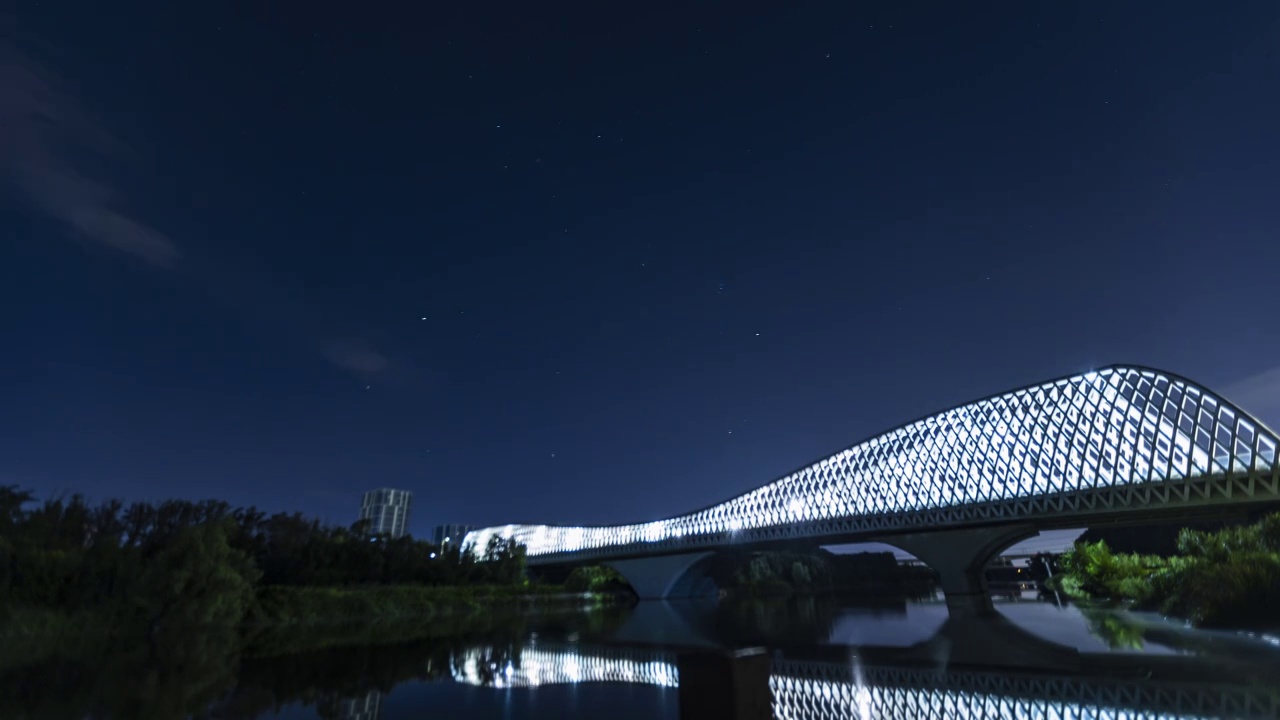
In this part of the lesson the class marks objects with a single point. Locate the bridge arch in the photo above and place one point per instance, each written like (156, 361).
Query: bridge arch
(664, 576)
(960, 558)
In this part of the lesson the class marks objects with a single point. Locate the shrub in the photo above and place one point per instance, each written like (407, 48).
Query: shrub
(1242, 591)
(595, 578)
(1226, 578)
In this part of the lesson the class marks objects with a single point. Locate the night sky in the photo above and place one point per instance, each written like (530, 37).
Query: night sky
(598, 263)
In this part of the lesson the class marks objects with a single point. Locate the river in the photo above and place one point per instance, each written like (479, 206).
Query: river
(1034, 658)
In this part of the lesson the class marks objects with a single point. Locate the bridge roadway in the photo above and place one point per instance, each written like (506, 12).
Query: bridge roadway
(1123, 444)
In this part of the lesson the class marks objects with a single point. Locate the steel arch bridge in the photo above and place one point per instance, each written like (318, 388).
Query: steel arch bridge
(1124, 440)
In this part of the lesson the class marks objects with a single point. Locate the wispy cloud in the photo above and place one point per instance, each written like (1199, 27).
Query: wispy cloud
(68, 166)
(356, 357)
(46, 142)
(1257, 394)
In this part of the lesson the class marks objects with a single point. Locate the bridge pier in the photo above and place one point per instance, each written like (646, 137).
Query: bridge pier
(960, 558)
(660, 577)
(730, 685)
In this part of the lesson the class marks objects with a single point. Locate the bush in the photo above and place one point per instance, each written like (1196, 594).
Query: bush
(285, 604)
(595, 578)
(1226, 578)
(1098, 572)
(1243, 591)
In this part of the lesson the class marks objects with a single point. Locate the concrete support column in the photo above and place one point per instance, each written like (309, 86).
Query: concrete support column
(960, 558)
(725, 685)
(658, 578)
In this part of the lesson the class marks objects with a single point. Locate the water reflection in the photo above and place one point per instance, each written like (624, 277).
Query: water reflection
(367, 707)
(818, 690)
(893, 659)
(540, 666)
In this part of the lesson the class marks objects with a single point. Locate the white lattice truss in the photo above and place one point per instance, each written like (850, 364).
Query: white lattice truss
(827, 691)
(1116, 440)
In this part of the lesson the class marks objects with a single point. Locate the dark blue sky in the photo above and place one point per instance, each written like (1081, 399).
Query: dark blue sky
(588, 264)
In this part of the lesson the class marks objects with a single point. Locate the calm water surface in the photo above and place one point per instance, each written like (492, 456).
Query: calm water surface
(817, 660)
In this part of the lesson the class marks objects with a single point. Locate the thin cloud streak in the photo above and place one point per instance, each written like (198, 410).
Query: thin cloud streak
(1257, 394)
(41, 130)
(356, 357)
(49, 142)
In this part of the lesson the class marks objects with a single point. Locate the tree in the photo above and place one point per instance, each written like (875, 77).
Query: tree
(197, 580)
(504, 561)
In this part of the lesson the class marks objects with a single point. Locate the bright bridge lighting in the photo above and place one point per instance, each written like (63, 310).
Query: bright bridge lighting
(1114, 427)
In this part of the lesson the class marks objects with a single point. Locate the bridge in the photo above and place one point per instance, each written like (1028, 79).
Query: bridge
(1121, 444)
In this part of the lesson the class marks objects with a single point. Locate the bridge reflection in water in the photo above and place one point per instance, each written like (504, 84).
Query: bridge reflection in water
(824, 690)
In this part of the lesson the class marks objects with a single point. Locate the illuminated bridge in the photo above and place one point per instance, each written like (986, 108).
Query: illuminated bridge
(808, 690)
(1121, 444)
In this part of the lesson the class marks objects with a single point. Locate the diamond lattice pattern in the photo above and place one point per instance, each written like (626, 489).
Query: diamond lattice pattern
(1115, 427)
(826, 691)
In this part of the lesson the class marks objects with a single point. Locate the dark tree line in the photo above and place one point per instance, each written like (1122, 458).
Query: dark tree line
(816, 572)
(67, 554)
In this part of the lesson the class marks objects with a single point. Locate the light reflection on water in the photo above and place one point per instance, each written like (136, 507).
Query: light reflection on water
(896, 627)
(881, 663)
(839, 691)
(890, 658)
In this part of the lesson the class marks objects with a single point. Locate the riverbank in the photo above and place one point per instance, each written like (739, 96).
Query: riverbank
(286, 619)
(287, 605)
(82, 665)
(292, 619)
(816, 573)
(1229, 579)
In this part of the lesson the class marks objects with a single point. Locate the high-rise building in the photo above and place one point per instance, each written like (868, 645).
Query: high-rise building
(386, 510)
(450, 534)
